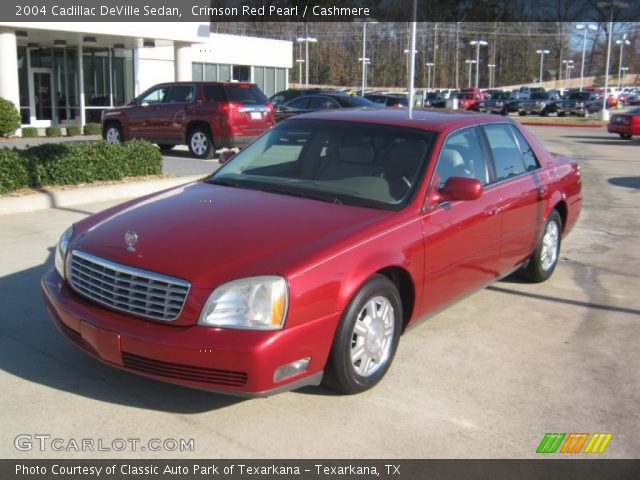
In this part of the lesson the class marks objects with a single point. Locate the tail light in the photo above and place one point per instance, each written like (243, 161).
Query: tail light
(232, 109)
(269, 105)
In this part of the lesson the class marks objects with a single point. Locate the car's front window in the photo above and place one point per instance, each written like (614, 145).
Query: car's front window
(376, 166)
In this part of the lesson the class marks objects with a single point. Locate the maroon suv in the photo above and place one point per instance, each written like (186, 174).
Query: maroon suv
(202, 115)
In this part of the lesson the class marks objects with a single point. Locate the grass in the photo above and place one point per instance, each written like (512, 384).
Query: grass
(555, 120)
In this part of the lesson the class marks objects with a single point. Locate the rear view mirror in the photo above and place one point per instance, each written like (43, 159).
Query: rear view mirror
(461, 188)
(226, 156)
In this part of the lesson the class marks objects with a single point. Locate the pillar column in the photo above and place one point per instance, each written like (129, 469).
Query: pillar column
(9, 84)
(182, 61)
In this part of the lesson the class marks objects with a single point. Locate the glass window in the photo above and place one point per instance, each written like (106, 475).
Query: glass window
(122, 76)
(529, 158)
(214, 93)
(23, 86)
(258, 78)
(299, 103)
(181, 94)
(322, 103)
(224, 73)
(461, 156)
(507, 157)
(210, 72)
(196, 72)
(40, 57)
(246, 94)
(270, 80)
(241, 73)
(281, 80)
(157, 95)
(95, 63)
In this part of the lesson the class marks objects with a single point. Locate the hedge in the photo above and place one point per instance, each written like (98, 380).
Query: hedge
(29, 132)
(73, 130)
(74, 163)
(53, 131)
(93, 129)
(9, 118)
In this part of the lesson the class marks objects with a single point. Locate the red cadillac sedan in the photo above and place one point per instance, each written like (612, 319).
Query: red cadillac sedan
(305, 256)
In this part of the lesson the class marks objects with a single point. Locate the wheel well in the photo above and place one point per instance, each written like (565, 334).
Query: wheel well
(196, 124)
(403, 282)
(111, 122)
(561, 207)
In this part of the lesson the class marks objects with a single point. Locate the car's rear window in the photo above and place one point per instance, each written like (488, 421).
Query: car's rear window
(240, 93)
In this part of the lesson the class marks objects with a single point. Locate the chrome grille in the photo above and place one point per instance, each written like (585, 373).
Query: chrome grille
(128, 289)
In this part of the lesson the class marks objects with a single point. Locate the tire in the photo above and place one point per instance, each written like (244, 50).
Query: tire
(112, 133)
(562, 114)
(625, 136)
(544, 259)
(166, 147)
(544, 113)
(200, 143)
(522, 114)
(366, 339)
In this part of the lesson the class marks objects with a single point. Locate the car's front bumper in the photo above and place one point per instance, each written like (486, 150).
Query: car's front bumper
(238, 362)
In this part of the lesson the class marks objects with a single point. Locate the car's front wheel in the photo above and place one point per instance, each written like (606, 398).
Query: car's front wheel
(367, 338)
(625, 136)
(113, 133)
(200, 143)
(544, 259)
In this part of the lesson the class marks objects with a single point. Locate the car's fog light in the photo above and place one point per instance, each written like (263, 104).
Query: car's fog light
(290, 369)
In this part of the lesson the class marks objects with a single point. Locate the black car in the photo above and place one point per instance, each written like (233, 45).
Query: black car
(540, 103)
(324, 101)
(499, 102)
(388, 100)
(578, 103)
(435, 100)
(284, 96)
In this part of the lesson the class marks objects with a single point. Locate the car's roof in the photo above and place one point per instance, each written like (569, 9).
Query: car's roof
(440, 120)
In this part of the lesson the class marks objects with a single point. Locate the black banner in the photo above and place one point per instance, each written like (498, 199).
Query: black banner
(543, 469)
(318, 10)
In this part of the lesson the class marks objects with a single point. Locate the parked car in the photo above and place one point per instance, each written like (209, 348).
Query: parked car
(203, 115)
(325, 101)
(388, 100)
(468, 99)
(285, 96)
(539, 103)
(499, 102)
(435, 100)
(524, 92)
(626, 124)
(578, 103)
(307, 254)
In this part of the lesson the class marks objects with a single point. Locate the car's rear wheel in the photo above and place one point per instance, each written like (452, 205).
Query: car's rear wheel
(562, 114)
(200, 143)
(625, 136)
(113, 133)
(166, 147)
(367, 338)
(522, 114)
(544, 259)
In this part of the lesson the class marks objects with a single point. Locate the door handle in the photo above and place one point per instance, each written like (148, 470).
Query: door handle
(490, 211)
(543, 190)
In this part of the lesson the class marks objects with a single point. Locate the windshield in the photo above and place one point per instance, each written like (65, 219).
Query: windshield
(540, 96)
(376, 166)
(579, 96)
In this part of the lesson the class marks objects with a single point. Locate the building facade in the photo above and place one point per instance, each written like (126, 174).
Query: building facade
(68, 73)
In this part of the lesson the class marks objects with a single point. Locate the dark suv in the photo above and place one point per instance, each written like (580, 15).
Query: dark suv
(202, 115)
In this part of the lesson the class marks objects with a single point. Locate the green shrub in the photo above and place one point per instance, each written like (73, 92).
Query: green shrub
(9, 118)
(14, 173)
(74, 163)
(53, 132)
(73, 130)
(29, 132)
(93, 129)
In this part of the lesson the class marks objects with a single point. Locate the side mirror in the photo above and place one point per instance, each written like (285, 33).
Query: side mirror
(461, 188)
(226, 156)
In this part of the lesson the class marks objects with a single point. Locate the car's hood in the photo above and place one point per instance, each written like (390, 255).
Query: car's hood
(209, 234)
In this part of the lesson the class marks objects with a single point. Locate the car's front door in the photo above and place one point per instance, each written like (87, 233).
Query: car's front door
(461, 238)
(146, 115)
(173, 113)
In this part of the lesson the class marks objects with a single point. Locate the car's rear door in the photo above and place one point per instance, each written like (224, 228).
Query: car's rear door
(521, 189)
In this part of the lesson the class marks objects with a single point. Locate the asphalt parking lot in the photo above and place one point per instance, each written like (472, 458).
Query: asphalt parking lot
(487, 378)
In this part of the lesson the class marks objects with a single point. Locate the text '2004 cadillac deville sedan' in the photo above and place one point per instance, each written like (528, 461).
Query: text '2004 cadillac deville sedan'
(307, 255)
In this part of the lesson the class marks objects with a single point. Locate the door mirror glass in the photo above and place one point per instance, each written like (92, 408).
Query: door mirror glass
(461, 188)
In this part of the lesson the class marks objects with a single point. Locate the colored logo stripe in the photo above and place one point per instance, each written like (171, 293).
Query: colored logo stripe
(598, 443)
(550, 443)
(574, 443)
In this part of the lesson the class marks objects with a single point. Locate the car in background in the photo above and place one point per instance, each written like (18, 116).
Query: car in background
(524, 92)
(324, 101)
(388, 100)
(285, 96)
(539, 103)
(499, 102)
(578, 103)
(203, 115)
(307, 255)
(470, 98)
(626, 124)
(633, 97)
(435, 100)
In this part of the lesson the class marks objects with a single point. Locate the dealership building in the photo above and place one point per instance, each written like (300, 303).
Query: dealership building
(68, 73)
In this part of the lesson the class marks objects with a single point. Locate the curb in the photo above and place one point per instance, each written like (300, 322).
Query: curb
(577, 125)
(78, 196)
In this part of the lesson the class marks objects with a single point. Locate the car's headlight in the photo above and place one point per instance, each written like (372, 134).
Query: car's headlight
(61, 251)
(255, 303)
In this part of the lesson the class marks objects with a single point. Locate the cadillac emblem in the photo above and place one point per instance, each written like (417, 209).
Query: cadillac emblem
(130, 239)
